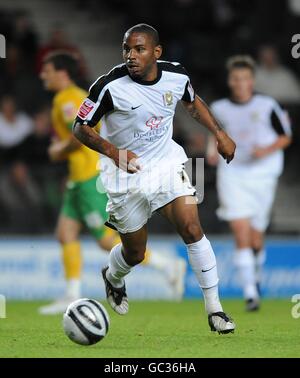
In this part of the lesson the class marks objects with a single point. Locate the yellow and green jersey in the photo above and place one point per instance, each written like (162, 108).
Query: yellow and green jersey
(82, 162)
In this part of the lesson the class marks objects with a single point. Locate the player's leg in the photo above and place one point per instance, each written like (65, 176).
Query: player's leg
(265, 194)
(123, 256)
(244, 261)
(93, 214)
(183, 214)
(108, 239)
(257, 243)
(173, 270)
(67, 233)
(128, 213)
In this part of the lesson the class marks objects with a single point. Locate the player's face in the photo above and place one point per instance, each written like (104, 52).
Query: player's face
(50, 77)
(241, 82)
(140, 54)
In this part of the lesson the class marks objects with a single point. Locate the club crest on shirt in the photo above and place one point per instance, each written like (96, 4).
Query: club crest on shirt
(69, 110)
(254, 116)
(168, 98)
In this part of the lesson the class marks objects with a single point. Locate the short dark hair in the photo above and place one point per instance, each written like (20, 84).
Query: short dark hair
(147, 29)
(64, 60)
(240, 61)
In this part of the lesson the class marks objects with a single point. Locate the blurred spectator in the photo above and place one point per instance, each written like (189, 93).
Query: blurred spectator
(20, 198)
(274, 79)
(59, 40)
(19, 195)
(223, 13)
(35, 148)
(5, 24)
(24, 37)
(48, 177)
(10, 68)
(15, 126)
(19, 78)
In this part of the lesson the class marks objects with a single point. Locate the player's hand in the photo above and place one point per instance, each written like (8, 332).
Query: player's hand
(55, 150)
(226, 146)
(127, 161)
(260, 152)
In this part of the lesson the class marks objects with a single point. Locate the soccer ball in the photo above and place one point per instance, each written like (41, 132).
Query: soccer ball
(86, 321)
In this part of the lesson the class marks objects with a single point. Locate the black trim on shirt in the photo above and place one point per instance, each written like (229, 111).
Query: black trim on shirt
(186, 95)
(162, 66)
(148, 82)
(114, 74)
(277, 124)
(106, 106)
(170, 67)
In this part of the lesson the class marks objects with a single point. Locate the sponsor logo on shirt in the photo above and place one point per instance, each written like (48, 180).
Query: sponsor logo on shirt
(154, 122)
(86, 107)
(157, 130)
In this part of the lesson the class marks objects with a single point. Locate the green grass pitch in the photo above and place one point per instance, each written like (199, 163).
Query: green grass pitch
(156, 329)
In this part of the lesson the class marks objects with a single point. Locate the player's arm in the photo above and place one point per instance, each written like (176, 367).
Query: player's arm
(89, 114)
(123, 159)
(281, 125)
(201, 113)
(59, 149)
(280, 144)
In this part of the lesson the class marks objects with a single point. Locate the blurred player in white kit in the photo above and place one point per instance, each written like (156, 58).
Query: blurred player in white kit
(246, 187)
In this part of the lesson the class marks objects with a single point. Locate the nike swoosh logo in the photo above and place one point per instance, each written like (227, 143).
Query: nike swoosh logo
(207, 269)
(132, 108)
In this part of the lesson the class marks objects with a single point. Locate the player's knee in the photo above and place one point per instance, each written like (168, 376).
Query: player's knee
(191, 232)
(59, 236)
(63, 237)
(135, 256)
(257, 245)
(106, 243)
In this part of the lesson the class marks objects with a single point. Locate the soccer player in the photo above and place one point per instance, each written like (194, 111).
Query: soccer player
(246, 188)
(143, 167)
(83, 204)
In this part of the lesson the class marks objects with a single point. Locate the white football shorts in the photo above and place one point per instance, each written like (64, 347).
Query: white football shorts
(246, 197)
(130, 211)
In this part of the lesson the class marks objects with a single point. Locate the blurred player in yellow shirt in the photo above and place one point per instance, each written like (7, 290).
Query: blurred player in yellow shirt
(83, 204)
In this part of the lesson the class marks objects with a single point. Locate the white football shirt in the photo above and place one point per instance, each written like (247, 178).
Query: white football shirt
(257, 123)
(138, 115)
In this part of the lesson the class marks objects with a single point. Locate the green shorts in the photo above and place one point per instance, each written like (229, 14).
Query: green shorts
(84, 203)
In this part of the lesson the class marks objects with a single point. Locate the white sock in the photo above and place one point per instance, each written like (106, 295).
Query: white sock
(73, 287)
(245, 263)
(117, 267)
(260, 259)
(203, 263)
